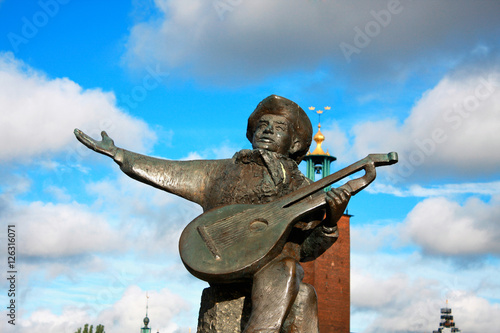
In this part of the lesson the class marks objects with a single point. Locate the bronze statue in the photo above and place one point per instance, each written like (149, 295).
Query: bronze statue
(231, 232)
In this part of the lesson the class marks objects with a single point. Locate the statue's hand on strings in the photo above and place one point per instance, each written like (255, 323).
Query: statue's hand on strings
(106, 146)
(337, 200)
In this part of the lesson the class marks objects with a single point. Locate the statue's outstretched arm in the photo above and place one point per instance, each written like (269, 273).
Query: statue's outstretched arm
(187, 179)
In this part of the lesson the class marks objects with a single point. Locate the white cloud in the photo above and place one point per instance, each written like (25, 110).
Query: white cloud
(255, 39)
(226, 150)
(419, 312)
(58, 230)
(13, 183)
(401, 292)
(368, 238)
(44, 320)
(193, 156)
(475, 314)
(399, 304)
(58, 193)
(415, 190)
(125, 315)
(148, 212)
(441, 226)
(39, 114)
(369, 292)
(397, 288)
(451, 131)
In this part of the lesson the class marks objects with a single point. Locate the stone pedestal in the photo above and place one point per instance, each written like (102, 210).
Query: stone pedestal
(224, 308)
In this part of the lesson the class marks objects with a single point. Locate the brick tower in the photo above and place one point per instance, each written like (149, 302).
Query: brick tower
(330, 273)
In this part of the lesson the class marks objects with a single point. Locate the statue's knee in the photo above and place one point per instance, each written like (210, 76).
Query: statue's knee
(307, 293)
(290, 264)
(280, 271)
(292, 268)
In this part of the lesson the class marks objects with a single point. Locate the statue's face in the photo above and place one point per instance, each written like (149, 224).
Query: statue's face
(274, 134)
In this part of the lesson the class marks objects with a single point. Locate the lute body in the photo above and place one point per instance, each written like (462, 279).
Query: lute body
(232, 242)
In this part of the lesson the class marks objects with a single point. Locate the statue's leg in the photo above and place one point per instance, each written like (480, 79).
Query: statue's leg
(274, 290)
(303, 317)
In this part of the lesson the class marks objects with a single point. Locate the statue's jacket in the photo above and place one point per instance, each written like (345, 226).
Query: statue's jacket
(250, 177)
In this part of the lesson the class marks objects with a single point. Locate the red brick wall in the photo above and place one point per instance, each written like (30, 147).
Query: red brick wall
(330, 276)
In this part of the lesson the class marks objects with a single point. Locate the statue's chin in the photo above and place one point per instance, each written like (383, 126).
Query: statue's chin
(269, 146)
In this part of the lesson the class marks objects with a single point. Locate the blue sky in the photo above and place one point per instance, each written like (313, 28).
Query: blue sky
(178, 79)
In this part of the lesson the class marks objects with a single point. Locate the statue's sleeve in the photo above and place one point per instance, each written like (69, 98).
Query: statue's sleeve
(318, 238)
(317, 242)
(187, 179)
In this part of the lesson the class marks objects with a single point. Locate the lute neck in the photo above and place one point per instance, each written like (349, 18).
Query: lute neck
(354, 186)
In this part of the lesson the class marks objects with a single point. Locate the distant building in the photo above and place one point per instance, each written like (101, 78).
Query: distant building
(146, 329)
(446, 324)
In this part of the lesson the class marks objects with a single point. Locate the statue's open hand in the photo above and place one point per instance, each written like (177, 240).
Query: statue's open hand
(337, 200)
(106, 146)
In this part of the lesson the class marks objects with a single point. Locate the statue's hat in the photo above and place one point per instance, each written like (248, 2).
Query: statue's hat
(298, 119)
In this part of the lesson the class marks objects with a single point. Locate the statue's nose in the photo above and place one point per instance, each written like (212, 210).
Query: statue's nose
(269, 129)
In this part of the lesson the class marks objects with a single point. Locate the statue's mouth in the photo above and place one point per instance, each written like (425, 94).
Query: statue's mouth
(266, 140)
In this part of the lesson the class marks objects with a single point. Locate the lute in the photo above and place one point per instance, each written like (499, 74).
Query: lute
(232, 242)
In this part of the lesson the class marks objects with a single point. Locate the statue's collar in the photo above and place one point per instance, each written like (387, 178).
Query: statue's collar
(258, 156)
(277, 164)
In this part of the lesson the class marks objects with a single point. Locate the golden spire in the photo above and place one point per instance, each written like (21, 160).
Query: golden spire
(319, 137)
